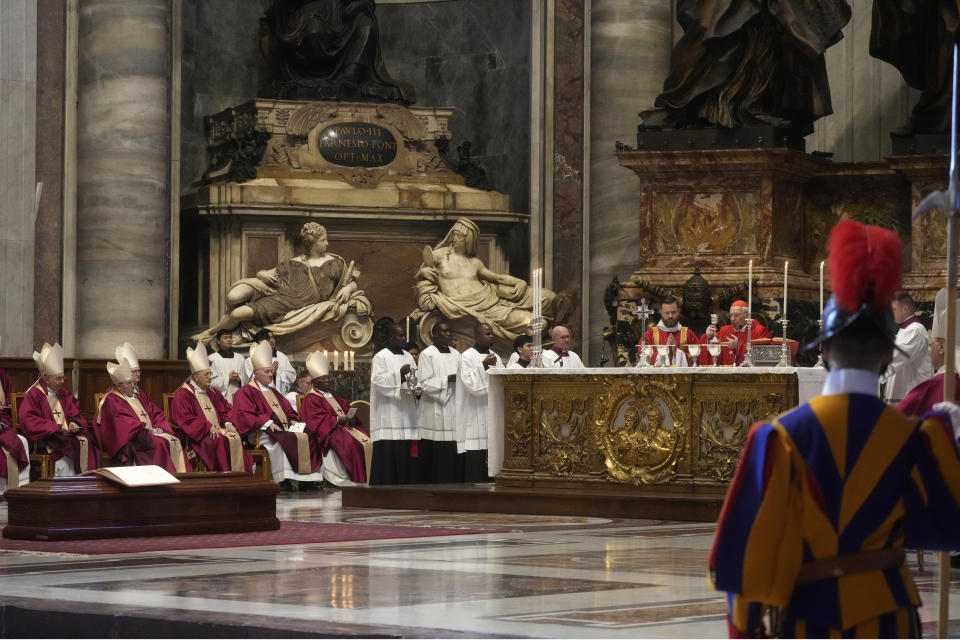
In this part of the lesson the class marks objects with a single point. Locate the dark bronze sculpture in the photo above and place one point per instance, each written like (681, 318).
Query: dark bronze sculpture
(917, 36)
(745, 63)
(328, 50)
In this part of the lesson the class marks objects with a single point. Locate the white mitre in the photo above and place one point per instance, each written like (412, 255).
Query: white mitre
(261, 355)
(939, 329)
(50, 359)
(198, 358)
(119, 373)
(318, 365)
(127, 351)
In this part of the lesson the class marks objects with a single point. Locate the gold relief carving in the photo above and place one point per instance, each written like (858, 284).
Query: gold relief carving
(724, 426)
(519, 424)
(643, 431)
(563, 434)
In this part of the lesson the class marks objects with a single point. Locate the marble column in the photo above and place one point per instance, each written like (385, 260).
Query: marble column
(18, 89)
(123, 169)
(630, 57)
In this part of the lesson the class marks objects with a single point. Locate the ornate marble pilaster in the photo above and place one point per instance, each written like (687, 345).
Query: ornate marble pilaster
(123, 206)
(568, 154)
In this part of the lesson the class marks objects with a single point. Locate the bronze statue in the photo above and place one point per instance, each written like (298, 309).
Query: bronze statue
(328, 50)
(743, 63)
(916, 37)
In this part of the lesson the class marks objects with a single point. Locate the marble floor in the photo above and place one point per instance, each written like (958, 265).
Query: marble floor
(547, 576)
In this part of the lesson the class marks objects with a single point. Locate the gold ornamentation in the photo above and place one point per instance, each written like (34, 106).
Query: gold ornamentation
(724, 426)
(518, 425)
(563, 437)
(652, 438)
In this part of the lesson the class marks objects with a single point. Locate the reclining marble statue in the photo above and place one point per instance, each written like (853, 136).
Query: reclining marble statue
(311, 288)
(454, 284)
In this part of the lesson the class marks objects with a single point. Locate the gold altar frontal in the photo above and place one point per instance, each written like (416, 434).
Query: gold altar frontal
(630, 428)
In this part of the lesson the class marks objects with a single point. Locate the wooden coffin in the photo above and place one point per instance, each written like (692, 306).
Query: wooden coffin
(87, 507)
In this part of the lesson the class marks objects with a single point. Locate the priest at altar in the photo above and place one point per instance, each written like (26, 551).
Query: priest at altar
(49, 413)
(129, 433)
(670, 332)
(733, 336)
(14, 463)
(261, 413)
(203, 414)
(344, 443)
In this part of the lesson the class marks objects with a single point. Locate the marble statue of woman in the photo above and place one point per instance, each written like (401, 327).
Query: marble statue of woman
(314, 287)
(454, 282)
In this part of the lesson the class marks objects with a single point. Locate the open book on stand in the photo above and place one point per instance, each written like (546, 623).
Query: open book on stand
(141, 476)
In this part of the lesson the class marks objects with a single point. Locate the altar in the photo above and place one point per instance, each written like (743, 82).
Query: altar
(612, 428)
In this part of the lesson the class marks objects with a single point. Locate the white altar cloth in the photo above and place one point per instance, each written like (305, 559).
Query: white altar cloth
(809, 383)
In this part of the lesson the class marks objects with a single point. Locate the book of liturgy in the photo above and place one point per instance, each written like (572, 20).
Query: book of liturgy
(149, 475)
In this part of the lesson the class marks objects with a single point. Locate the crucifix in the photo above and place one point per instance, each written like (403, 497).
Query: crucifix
(642, 312)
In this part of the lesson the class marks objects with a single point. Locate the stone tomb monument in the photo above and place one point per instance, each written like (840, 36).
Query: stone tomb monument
(373, 175)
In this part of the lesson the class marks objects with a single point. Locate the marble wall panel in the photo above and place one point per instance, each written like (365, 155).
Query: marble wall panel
(18, 88)
(473, 55)
(629, 59)
(221, 67)
(869, 97)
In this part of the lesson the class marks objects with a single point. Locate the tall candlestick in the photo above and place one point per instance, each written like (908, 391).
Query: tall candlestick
(821, 290)
(353, 360)
(785, 289)
(336, 360)
(408, 329)
(750, 289)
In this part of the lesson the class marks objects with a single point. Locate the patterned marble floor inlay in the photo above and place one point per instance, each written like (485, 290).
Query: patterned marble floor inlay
(545, 577)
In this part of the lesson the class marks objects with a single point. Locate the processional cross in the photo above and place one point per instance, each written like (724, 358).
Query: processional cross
(642, 312)
(947, 203)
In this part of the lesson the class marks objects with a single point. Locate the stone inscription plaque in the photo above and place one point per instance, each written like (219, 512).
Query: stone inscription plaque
(357, 144)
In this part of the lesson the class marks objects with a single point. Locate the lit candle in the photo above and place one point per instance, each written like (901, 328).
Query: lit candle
(750, 289)
(336, 360)
(408, 328)
(785, 289)
(821, 290)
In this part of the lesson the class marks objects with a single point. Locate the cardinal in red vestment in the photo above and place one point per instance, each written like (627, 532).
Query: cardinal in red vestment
(733, 336)
(129, 433)
(203, 414)
(258, 407)
(50, 414)
(14, 463)
(330, 422)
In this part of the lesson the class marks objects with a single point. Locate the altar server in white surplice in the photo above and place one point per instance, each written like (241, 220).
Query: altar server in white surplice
(911, 360)
(515, 356)
(559, 355)
(473, 383)
(227, 369)
(436, 411)
(393, 414)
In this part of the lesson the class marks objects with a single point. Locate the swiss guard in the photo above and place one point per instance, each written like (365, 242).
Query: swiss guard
(811, 538)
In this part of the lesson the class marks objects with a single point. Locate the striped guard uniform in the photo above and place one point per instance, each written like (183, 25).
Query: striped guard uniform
(841, 474)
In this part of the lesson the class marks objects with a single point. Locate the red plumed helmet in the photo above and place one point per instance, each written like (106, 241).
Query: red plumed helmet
(865, 264)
